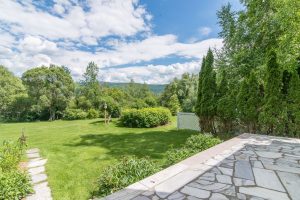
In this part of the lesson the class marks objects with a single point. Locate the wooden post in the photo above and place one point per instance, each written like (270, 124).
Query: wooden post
(105, 114)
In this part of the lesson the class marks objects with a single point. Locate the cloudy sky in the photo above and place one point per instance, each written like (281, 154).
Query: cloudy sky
(149, 41)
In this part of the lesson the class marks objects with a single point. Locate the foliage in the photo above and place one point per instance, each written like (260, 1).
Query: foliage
(92, 114)
(14, 184)
(272, 110)
(206, 109)
(74, 114)
(10, 155)
(123, 173)
(173, 104)
(113, 107)
(50, 90)
(226, 105)
(146, 117)
(193, 145)
(293, 105)
(10, 88)
(90, 87)
(249, 102)
(185, 89)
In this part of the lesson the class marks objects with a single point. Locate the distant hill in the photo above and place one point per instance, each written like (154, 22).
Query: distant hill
(153, 87)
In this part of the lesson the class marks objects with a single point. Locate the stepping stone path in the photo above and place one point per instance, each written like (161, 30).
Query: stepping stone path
(253, 167)
(36, 170)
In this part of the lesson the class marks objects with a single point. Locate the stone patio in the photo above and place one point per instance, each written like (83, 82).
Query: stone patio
(248, 167)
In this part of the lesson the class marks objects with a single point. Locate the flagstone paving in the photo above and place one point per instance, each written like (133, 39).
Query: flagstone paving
(251, 167)
(36, 170)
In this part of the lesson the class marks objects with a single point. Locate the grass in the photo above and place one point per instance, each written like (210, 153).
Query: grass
(78, 150)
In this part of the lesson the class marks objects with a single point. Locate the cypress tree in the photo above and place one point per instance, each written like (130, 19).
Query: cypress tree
(242, 99)
(207, 109)
(225, 104)
(293, 105)
(199, 94)
(254, 102)
(271, 117)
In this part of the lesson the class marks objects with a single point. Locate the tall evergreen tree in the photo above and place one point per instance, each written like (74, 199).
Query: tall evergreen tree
(254, 102)
(207, 94)
(225, 104)
(271, 116)
(199, 94)
(293, 105)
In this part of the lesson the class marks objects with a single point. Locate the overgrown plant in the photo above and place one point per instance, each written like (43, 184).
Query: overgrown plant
(123, 173)
(14, 183)
(193, 145)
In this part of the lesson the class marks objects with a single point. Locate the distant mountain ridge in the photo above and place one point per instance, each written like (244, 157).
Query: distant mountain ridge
(156, 88)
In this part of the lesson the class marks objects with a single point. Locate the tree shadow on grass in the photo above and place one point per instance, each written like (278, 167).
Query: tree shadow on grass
(101, 121)
(149, 143)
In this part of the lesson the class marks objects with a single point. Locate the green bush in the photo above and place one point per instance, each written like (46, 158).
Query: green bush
(193, 145)
(145, 117)
(127, 171)
(73, 114)
(10, 155)
(92, 113)
(14, 184)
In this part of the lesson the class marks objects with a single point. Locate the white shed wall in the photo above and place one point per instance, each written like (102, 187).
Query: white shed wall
(188, 121)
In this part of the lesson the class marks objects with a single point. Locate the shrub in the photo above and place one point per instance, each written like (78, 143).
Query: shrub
(92, 113)
(193, 145)
(127, 171)
(146, 117)
(73, 114)
(10, 155)
(14, 184)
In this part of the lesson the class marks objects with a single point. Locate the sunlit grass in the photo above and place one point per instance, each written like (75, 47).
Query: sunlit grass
(77, 151)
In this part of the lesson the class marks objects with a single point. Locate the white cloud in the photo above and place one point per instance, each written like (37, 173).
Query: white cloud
(32, 45)
(205, 31)
(35, 51)
(115, 17)
(45, 38)
(152, 74)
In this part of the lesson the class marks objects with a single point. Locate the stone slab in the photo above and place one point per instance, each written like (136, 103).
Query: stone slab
(174, 183)
(35, 150)
(130, 192)
(37, 178)
(33, 155)
(291, 183)
(195, 192)
(36, 170)
(243, 170)
(37, 163)
(264, 193)
(267, 179)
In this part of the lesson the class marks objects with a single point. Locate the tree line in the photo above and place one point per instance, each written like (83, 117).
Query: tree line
(253, 83)
(47, 93)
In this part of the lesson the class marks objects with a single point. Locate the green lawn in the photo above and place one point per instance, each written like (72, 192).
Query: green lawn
(77, 151)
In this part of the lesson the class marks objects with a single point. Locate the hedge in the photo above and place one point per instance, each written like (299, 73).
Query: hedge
(73, 114)
(145, 117)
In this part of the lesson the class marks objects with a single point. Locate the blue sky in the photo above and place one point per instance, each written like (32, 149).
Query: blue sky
(149, 41)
